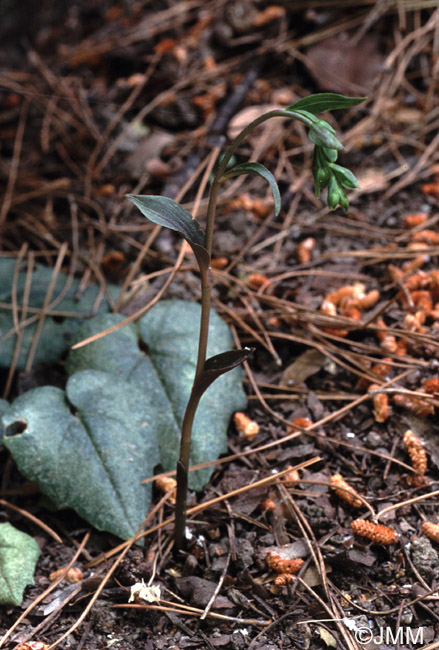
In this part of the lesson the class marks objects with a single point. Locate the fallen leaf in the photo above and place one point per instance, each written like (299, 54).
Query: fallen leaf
(341, 67)
(306, 365)
(327, 637)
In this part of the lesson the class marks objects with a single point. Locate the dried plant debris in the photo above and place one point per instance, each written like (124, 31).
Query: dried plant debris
(343, 311)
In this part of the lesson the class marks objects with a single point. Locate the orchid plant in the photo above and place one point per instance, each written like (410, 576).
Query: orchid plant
(166, 212)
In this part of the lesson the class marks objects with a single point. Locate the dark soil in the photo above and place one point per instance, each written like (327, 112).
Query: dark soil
(101, 99)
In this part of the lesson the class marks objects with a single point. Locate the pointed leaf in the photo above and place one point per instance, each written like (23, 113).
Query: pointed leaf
(325, 102)
(260, 170)
(166, 212)
(18, 556)
(218, 365)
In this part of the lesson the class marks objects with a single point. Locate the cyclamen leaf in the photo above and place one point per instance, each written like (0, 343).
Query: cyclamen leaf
(90, 446)
(321, 102)
(18, 556)
(165, 212)
(67, 296)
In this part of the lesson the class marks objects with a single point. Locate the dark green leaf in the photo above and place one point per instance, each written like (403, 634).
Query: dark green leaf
(344, 176)
(56, 332)
(166, 212)
(325, 102)
(260, 170)
(88, 448)
(218, 365)
(3, 406)
(336, 195)
(309, 116)
(18, 556)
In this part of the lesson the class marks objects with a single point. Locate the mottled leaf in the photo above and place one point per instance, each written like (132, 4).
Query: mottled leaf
(18, 557)
(56, 331)
(88, 448)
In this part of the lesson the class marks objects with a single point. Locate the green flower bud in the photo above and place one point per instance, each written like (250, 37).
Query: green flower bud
(320, 134)
(333, 193)
(343, 201)
(323, 176)
(329, 154)
(326, 125)
(320, 171)
(344, 176)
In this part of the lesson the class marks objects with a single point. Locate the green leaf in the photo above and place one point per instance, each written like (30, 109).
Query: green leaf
(89, 447)
(166, 212)
(344, 176)
(165, 375)
(321, 135)
(325, 102)
(19, 554)
(260, 170)
(307, 114)
(218, 365)
(3, 406)
(56, 332)
(333, 193)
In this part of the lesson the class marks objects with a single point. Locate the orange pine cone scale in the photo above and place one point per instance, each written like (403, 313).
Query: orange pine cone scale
(345, 491)
(281, 565)
(283, 579)
(244, 425)
(431, 386)
(415, 449)
(377, 533)
(414, 404)
(431, 530)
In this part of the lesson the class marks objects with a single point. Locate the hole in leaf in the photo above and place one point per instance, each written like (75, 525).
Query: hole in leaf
(15, 428)
(142, 346)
